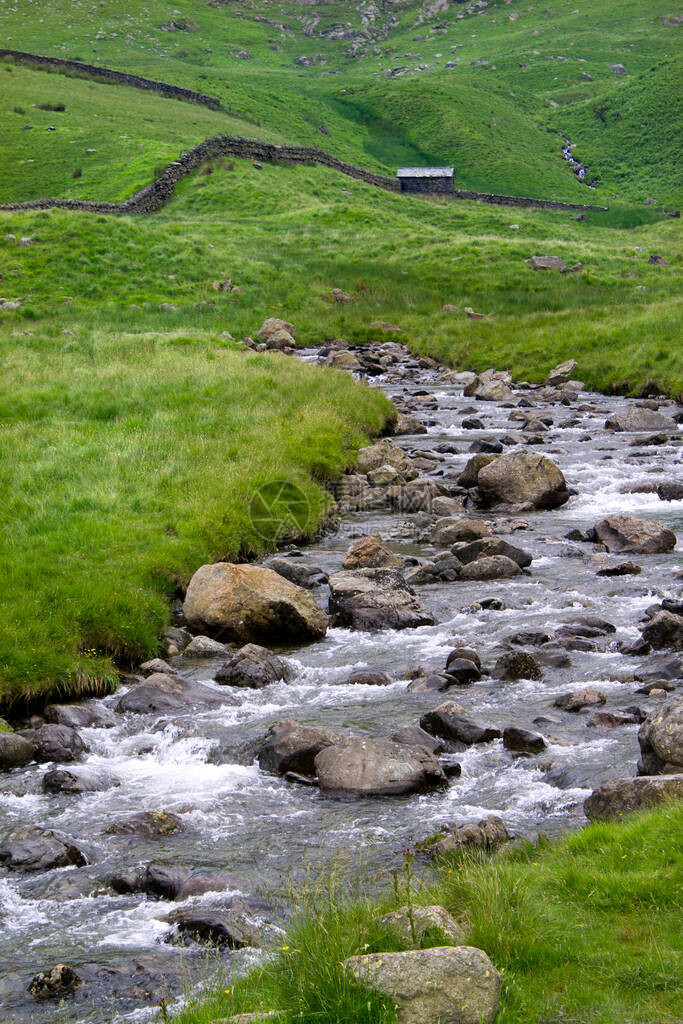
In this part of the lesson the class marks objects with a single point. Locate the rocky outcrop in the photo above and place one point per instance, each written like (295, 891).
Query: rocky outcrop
(371, 599)
(359, 767)
(457, 984)
(661, 739)
(487, 835)
(623, 796)
(625, 533)
(247, 603)
(523, 478)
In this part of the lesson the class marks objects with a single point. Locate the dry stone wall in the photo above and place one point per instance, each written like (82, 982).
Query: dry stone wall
(100, 74)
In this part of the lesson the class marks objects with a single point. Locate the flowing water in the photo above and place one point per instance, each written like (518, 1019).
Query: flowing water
(269, 832)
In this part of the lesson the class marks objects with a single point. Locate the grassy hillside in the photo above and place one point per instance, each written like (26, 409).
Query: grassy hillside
(128, 460)
(96, 383)
(497, 123)
(584, 929)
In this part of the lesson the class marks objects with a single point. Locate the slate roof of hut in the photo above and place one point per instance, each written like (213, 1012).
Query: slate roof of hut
(425, 172)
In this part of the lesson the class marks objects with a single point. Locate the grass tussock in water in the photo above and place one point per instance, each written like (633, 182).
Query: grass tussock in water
(128, 460)
(585, 929)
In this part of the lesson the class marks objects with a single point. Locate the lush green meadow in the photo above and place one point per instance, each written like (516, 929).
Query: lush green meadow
(103, 409)
(583, 930)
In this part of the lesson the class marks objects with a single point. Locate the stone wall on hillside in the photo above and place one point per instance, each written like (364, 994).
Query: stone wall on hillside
(100, 74)
(159, 191)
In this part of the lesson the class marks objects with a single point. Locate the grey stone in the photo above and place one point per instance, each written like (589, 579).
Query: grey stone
(441, 985)
(360, 767)
(614, 799)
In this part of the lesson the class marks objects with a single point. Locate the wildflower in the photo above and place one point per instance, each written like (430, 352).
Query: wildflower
(226, 991)
(284, 948)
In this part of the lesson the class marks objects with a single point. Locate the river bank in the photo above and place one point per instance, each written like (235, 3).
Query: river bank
(196, 759)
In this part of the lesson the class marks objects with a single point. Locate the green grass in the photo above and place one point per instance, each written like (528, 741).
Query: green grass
(101, 410)
(586, 929)
(497, 125)
(128, 460)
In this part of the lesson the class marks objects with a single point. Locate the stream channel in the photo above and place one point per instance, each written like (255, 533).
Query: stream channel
(267, 832)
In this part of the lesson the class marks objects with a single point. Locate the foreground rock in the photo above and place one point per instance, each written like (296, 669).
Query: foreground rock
(386, 453)
(31, 848)
(661, 740)
(292, 747)
(523, 478)
(370, 553)
(635, 536)
(15, 751)
(371, 599)
(360, 767)
(625, 795)
(216, 927)
(247, 603)
(665, 629)
(441, 985)
(411, 924)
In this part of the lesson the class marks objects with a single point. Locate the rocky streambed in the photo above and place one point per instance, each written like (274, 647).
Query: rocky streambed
(492, 653)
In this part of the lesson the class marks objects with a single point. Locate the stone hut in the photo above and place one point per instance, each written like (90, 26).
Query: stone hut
(437, 180)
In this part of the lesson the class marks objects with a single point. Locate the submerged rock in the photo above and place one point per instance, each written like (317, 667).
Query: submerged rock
(247, 603)
(150, 824)
(31, 848)
(433, 986)
(84, 780)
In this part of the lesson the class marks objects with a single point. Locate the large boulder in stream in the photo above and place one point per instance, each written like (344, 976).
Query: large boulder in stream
(371, 599)
(83, 780)
(250, 604)
(359, 767)
(625, 533)
(149, 824)
(31, 848)
(661, 739)
(523, 478)
(641, 420)
(440, 985)
(386, 453)
(614, 799)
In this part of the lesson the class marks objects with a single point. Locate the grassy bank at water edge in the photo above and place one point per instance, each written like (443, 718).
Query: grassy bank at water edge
(586, 929)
